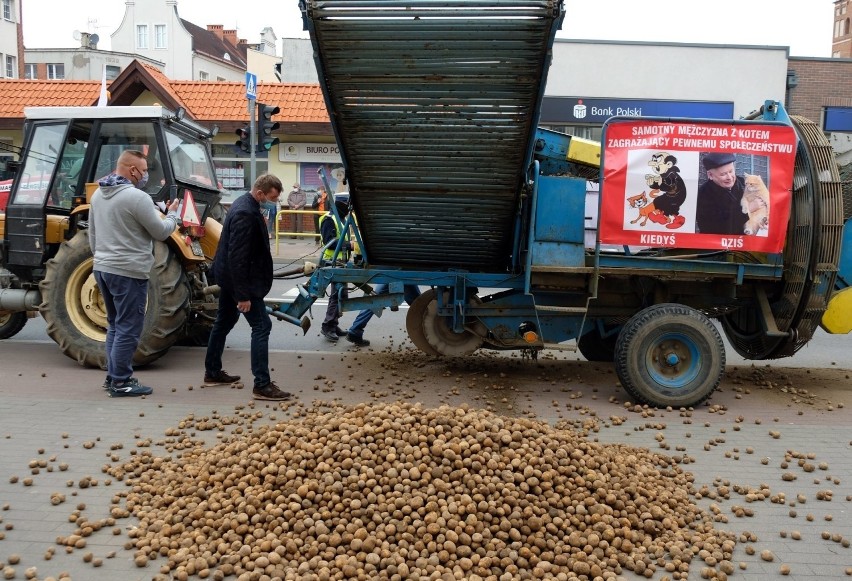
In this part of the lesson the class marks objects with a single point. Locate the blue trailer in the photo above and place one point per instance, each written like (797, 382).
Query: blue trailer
(455, 189)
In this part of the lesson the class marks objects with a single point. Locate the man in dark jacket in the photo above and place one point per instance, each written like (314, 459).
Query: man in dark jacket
(243, 271)
(719, 209)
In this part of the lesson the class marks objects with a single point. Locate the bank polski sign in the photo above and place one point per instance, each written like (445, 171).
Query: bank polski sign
(309, 152)
(593, 110)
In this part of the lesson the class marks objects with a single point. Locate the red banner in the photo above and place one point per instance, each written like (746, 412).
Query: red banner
(704, 185)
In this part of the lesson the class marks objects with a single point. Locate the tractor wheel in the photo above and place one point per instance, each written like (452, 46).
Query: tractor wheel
(76, 317)
(12, 323)
(670, 355)
(595, 347)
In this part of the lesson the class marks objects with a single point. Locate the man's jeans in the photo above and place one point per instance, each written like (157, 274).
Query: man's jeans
(125, 300)
(410, 292)
(226, 318)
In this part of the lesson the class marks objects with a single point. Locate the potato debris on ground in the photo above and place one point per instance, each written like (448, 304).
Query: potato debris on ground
(402, 490)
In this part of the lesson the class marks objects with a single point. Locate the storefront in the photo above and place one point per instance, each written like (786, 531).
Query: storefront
(307, 159)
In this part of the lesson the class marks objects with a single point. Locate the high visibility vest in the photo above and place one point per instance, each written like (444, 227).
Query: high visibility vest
(329, 252)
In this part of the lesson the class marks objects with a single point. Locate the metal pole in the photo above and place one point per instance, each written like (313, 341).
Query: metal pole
(253, 133)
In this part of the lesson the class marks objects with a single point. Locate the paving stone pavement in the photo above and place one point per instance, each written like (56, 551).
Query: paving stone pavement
(739, 440)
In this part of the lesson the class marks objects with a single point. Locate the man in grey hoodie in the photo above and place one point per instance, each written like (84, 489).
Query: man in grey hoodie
(123, 223)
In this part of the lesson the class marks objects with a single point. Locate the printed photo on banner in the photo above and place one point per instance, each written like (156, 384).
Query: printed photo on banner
(697, 185)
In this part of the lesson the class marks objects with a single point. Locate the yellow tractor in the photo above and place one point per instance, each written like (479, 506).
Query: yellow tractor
(44, 243)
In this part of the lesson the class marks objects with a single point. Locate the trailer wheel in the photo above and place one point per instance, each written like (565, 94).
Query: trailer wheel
(414, 322)
(670, 355)
(74, 312)
(436, 333)
(12, 323)
(595, 347)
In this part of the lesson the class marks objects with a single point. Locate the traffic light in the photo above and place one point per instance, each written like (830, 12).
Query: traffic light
(244, 141)
(266, 127)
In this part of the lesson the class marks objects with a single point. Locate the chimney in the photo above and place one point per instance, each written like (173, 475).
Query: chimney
(216, 29)
(230, 36)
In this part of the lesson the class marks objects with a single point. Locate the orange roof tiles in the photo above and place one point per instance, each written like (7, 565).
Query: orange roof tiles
(15, 94)
(226, 101)
(204, 101)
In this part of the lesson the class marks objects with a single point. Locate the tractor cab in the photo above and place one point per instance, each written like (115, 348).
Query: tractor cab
(68, 149)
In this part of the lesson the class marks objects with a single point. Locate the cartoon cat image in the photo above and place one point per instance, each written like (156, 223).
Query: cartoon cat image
(666, 178)
(755, 203)
(644, 205)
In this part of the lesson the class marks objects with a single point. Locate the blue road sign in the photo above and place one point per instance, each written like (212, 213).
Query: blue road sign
(251, 86)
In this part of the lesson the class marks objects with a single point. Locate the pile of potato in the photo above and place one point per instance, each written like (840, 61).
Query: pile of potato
(398, 491)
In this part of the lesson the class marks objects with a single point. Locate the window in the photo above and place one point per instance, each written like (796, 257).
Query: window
(8, 13)
(112, 71)
(846, 27)
(203, 76)
(11, 67)
(55, 71)
(159, 36)
(141, 36)
(30, 71)
(220, 79)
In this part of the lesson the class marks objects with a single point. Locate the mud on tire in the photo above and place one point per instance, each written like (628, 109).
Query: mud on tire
(75, 315)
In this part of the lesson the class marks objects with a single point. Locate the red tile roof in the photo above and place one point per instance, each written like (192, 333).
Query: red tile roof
(204, 101)
(15, 94)
(226, 101)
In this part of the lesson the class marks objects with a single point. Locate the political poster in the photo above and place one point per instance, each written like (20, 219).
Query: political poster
(701, 185)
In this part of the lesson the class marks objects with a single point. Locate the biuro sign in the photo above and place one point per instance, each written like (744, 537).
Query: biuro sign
(704, 185)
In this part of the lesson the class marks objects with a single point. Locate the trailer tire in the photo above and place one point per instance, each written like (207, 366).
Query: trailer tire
(12, 323)
(75, 316)
(595, 347)
(670, 355)
(414, 322)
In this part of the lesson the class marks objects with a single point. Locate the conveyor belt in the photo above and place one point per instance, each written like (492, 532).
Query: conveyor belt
(434, 105)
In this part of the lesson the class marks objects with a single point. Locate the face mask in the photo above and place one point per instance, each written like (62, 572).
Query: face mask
(143, 181)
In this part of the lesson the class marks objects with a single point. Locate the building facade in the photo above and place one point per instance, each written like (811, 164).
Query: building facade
(86, 63)
(154, 29)
(11, 40)
(841, 44)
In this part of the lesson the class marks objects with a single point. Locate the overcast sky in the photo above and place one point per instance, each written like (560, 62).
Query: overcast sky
(803, 25)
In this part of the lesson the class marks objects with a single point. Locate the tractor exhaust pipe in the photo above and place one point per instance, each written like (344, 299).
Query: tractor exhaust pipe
(15, 300)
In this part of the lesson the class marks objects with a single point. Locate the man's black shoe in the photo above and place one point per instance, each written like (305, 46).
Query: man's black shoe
(360, 341)
(340, 332)
(221, 377)
(329, 335)
(270, 392)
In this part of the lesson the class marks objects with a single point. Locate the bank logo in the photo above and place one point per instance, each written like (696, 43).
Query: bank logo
(579, 110)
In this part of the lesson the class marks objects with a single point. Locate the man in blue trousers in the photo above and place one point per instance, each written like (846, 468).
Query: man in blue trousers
(355, 334)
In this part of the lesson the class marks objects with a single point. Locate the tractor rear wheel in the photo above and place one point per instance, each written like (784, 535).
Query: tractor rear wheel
(76, 317)
(12, 323)
(670, 355)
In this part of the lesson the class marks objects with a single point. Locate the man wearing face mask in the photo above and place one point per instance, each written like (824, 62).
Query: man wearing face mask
(243, 270)
(123, 224)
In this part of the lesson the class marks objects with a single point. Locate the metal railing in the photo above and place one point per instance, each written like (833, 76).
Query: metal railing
(296, 216)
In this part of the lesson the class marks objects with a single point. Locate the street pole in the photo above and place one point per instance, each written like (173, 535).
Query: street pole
(253, 133)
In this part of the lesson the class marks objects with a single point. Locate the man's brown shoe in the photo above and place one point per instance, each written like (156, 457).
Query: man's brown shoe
(219, 378)
(270, 392)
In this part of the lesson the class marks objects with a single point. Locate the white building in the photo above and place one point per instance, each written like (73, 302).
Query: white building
(154, 29)
(11, 39)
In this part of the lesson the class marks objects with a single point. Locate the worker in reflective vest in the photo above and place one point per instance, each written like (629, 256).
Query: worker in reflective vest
(331, 230)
